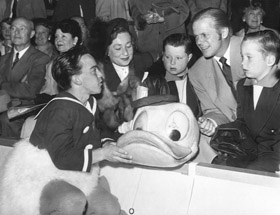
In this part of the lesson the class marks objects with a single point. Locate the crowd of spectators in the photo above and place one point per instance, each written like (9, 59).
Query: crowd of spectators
(218, 57)
(183, 42)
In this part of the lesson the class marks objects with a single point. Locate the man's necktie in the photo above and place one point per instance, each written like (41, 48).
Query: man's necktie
(16, 59)
(227, 74)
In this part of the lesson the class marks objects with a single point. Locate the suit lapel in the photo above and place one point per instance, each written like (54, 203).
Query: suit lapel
(8, 65)
(173, 88)
(18, 71)
(268, 101)
(111, 76)
(235, 59)
(220, 92)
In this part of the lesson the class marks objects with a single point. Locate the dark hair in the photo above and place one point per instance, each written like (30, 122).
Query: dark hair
(66, 65)
(7, 21)
(112, 34)
(70, 26)
(79, 17)
(219, 17)
(44, 22)
(97, 38)
(268, 40)
(179, 40)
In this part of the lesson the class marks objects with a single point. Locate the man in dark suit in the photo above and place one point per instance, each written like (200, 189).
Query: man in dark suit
(22, 72)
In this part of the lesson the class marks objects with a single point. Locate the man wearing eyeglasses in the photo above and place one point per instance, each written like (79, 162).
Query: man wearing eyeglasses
(215, 74)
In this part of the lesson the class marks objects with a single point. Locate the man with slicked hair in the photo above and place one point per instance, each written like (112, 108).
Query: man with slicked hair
(215, 80)
(22, 72)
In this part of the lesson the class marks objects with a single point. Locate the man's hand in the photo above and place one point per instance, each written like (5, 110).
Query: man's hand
(206, 126)
(153, 17)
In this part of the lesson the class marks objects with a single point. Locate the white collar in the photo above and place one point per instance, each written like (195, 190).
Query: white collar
(226, 55)
(122, 71)
(20, 53)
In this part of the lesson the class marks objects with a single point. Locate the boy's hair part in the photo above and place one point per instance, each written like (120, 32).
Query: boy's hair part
(268, 40)
(177, 40)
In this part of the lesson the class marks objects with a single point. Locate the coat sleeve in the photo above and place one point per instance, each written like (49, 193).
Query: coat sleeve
(60, 144)
(209, 109)
(32, 82)
(239, 112)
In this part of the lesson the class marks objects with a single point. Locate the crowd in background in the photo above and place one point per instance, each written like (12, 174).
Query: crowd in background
(220, 57)
(127, 38)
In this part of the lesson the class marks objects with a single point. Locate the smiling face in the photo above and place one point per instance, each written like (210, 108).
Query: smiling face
(120, 51)
(175, 60)
(253, 18)
(64, 41)
(254, 62)
(42, 35)
(210, 41)
(90, 76)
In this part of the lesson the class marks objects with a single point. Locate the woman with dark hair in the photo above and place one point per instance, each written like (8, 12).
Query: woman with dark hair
(81, 21)
(6, 44)
(121, 59)
(43, 34)
(124, 70)
(59, 163)
(67, 35)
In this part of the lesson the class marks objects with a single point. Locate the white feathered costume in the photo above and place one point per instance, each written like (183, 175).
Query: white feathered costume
(24, 179)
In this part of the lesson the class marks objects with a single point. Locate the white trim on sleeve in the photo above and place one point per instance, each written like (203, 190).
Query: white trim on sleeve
(86, 157)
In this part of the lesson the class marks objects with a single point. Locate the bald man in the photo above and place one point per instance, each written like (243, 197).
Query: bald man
(22, 72)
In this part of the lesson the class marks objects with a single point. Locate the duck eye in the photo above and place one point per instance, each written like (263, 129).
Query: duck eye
(177, 125)
(175, 135)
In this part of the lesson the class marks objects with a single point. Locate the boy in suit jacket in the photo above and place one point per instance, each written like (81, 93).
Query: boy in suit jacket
(259, 97)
